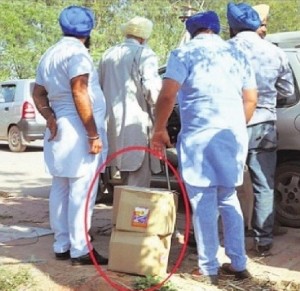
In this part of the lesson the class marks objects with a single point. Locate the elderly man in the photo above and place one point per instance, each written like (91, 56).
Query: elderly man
(263, 12)
(212, 143)
(130, 82)
(273, 76)
(68, 95)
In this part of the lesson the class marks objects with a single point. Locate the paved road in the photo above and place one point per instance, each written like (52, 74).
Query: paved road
(23, 174)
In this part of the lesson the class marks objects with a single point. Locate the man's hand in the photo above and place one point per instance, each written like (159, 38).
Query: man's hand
(160, 140)
(52, 125)
(95, 146)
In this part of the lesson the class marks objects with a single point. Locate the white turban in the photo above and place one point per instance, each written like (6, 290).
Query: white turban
(262, 10)
(138, 26)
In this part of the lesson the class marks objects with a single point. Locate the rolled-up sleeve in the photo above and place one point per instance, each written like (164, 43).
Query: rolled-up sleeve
(176, 68)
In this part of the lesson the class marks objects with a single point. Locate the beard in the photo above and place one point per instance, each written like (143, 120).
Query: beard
(87, 42)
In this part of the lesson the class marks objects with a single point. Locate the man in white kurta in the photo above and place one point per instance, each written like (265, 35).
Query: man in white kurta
(68, 95)
(130, 82)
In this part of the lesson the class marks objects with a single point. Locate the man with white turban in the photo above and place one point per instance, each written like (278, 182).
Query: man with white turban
(68, 96)
(128, 74)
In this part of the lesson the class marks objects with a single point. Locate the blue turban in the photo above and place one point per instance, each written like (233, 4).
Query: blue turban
(205, 20)
(77, 21)
(242, 17)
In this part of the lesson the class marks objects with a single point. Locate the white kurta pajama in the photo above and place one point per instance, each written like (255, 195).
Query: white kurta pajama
(67, 155)
(130, 82)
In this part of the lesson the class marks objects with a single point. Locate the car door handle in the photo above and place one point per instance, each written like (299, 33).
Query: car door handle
(6, 108)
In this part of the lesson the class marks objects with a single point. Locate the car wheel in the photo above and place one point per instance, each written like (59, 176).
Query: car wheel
(287, 194)
(15, 140)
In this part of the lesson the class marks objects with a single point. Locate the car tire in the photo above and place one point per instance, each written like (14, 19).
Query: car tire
(287, 194)
(15, 140)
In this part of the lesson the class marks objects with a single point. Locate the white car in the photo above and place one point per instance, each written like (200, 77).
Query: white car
(20, 122)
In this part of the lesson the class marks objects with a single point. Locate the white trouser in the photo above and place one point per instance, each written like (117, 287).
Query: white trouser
(67, 213)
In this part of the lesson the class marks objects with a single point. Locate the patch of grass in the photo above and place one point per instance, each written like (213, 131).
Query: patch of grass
(144, 283)
(15, 280)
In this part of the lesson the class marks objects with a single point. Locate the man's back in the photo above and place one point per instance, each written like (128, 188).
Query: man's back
(115, 70)
(212, 76)
(272, 71)
(130, 82)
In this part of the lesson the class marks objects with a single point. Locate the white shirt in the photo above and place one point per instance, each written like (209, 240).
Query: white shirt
(212, 143)
(68, 154)
(272, 70)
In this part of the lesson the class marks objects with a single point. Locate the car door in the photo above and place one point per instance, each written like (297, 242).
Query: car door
(288, 110)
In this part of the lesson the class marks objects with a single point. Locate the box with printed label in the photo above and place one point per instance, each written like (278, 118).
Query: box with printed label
(139, 253)
(147, 210)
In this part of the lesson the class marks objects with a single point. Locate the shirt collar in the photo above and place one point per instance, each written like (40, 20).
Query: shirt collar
(131, 40)
(248, 35)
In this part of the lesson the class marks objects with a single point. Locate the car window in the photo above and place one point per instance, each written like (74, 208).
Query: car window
(2, 100)
(7, 93)
(283, 101)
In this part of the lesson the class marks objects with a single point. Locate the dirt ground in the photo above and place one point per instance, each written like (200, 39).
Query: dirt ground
(281, 271)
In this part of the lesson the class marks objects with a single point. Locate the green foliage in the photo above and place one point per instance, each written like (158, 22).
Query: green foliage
(29, 27)
(30, 30)
(284, 14)
(10, 281)
(144, 283)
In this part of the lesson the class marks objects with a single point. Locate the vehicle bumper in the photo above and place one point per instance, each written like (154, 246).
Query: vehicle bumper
(31, 130)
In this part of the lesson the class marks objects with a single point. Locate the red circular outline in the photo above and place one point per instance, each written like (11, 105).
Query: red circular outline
(187, 215)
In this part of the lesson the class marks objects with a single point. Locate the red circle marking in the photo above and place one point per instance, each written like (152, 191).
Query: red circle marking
(186, 206)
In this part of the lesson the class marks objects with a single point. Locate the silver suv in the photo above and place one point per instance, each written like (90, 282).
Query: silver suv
(287, 180)
(20, 122)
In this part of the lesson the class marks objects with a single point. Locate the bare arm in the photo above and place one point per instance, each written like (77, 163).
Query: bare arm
(163, 109)
(40, 98)
(250, 101)
(83, 105)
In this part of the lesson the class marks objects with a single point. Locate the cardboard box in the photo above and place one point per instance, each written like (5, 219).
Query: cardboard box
(146, 210)
(139, 253)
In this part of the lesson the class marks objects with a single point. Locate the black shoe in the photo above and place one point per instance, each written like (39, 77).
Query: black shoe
(86, 259)
(227, 270)
(62, 256)
(264, 250)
